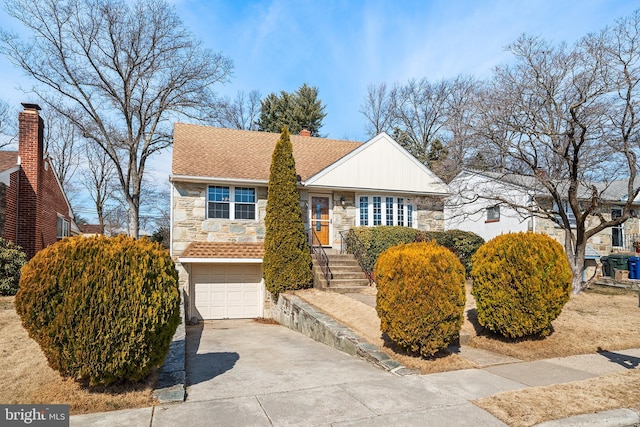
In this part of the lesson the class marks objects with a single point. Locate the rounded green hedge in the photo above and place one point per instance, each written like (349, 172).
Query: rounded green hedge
(421, 296)
(103, 310)
(520, 283)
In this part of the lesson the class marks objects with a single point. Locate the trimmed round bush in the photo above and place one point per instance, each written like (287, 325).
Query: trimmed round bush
(521, 281)
(103, 310)
(11, 261)
(421, 296)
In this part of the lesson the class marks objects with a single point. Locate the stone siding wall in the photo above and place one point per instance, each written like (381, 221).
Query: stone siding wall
(601, 242)
(190, 223)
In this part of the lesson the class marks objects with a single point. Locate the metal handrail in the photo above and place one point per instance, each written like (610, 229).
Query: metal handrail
(321, 256)
(351, 244)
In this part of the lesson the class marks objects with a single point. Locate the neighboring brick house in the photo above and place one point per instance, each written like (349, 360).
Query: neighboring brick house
(34, 211)
(219, 194)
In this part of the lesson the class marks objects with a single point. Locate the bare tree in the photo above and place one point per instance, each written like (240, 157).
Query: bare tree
(420, 113)
(376, 108)
(572, 116)
(126, 69)
(240, 113)
(64, 145)
(98, 177)
(7, 124)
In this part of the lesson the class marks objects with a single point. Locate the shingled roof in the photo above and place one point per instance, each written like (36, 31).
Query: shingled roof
(8, 159)
(204, 151)
(223, 250)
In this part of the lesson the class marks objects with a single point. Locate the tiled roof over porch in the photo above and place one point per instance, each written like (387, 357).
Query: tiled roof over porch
(223, 250)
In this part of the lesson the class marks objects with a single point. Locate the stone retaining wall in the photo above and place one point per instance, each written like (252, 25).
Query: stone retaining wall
(296, 314)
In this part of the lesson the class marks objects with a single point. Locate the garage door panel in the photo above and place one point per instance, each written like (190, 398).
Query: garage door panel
(227, 291)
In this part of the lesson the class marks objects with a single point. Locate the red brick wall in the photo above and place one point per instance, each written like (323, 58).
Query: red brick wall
(3, 208)
(53, 205)
(10, 212)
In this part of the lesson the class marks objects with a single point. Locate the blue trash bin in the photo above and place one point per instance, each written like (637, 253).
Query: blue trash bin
(634, 267)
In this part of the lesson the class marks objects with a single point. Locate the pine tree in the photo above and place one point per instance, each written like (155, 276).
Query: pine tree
(287, 261)
(299, 110)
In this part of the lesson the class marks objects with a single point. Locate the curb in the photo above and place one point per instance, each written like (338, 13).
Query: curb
(172, 373)
(294, 313)
(612, 418)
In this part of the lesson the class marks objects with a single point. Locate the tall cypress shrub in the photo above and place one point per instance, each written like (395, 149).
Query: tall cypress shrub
(287, 261)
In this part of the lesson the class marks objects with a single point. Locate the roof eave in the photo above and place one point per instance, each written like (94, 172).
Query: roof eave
(212, 260)
(212, 179)
(374, 190)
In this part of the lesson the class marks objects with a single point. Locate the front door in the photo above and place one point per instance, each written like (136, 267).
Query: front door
(320, 219)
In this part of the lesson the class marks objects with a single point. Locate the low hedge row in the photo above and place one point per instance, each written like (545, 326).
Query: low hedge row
(376, 240)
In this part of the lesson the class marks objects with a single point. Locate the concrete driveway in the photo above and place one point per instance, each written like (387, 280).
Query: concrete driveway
(241, 373)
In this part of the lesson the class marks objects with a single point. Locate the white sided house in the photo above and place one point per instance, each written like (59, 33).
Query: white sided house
(482, 202)
(218, 203)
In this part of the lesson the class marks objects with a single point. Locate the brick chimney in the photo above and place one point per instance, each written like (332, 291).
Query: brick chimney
(30, 151)
(305, 132)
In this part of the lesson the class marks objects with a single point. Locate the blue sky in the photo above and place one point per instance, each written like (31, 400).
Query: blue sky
(343, 46)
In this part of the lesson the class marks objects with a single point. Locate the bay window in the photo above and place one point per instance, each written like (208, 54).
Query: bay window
(385, 210)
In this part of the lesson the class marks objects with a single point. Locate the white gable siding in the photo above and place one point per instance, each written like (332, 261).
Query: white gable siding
(380, 165)
(466, 209)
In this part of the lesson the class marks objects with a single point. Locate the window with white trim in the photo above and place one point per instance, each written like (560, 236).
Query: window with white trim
(62, 228)
(385, 210)
(389, 210)
(231, 202)
(493, 213)
(364, 210)
(377, 210)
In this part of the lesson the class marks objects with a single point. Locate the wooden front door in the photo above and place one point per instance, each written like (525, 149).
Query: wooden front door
(320, 219)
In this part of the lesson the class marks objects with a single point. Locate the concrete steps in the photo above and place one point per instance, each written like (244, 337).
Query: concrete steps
(346, 274)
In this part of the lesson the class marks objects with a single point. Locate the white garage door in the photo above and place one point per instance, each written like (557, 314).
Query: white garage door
(227, 291)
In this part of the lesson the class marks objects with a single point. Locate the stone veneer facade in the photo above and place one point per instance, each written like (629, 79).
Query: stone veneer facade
(190, 223)
(601, 242)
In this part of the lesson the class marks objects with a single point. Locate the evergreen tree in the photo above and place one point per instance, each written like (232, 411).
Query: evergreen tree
(299, 110)
(287, 261)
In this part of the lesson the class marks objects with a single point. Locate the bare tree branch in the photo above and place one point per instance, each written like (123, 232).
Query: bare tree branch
(125, 69)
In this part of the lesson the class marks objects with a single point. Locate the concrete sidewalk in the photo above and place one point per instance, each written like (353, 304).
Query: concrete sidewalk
(242, 373)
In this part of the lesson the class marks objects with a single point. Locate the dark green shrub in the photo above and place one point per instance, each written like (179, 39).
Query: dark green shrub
(421, 296)
(462, 243)
(378, 239)
(287, 261)
(102, 309)
(11, 261)
(520, 283)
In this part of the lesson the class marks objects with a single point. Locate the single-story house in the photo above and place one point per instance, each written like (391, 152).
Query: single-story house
(34, 210)
(219, 187)
(479, 204)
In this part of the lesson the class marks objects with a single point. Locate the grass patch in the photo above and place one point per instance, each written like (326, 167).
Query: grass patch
(23, 365)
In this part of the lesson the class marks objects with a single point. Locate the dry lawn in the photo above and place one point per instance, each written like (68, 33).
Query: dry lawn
(599, 319)
(535, 405)
(26, 377)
